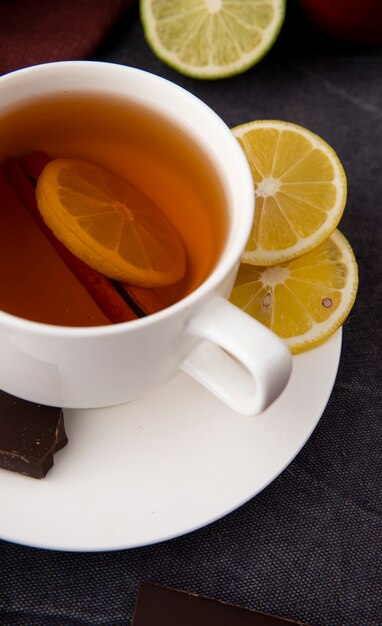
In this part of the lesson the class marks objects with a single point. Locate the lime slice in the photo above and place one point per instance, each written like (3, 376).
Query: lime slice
(211, 38)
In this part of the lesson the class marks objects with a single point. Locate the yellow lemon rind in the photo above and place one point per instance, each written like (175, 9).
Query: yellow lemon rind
(304, 245)
(320, 332)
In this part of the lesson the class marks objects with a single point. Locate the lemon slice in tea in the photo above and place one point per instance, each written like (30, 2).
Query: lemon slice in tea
(300, 189)
(109, 224)
(211, 38)
(305, 300)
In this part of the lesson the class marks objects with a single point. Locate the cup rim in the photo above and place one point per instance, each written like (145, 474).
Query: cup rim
(231, 253)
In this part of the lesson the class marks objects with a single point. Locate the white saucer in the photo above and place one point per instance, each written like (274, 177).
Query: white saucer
(164, 465)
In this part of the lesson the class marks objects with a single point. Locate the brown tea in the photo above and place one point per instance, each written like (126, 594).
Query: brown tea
(146, 149)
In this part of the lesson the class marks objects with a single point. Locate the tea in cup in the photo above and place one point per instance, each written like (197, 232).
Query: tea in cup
(58, 346)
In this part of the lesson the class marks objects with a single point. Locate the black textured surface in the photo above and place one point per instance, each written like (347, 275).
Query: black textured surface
(309, 546)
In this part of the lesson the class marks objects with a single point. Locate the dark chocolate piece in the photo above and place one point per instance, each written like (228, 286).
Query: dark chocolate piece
(30, 434)
(162, 606)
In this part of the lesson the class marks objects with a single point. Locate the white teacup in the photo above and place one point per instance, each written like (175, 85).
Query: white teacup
(234, 356)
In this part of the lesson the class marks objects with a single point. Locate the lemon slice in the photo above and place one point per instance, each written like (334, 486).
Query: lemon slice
(211, 38)
(300, 189)
(303, 301)
(109, 224)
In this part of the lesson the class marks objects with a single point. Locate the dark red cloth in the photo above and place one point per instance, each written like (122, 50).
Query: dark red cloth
(39, 31)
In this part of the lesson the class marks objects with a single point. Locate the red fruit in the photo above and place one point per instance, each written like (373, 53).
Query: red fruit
(357, 21)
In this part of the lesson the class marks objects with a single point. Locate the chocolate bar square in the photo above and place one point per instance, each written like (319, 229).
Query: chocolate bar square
(162, 606)
(30, 434)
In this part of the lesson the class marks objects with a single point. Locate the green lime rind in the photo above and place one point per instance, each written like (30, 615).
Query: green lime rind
(180, 31)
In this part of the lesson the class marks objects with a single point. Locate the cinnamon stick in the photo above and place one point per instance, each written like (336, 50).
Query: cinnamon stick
(142, 299)
(145, 299)
(98, 286)
(33, 163)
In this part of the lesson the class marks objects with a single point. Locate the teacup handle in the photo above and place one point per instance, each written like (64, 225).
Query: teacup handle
(240, 360)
